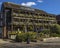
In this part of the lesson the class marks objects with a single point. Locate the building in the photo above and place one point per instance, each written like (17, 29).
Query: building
(16, 17)
(58, 19)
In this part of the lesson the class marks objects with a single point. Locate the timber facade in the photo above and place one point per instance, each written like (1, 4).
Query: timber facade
(16, 17)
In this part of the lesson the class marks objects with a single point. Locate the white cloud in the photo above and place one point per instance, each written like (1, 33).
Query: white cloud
(40, 1)
(28, 4)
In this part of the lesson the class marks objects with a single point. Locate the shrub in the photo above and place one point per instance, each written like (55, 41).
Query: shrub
(33, 36)
(46, 31)
(42, 35)
(23, 36)
(55, 29)
(19, 37)
(55, 35)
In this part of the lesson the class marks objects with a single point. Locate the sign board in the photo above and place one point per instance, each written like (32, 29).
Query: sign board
(13, 36)
(27, 8)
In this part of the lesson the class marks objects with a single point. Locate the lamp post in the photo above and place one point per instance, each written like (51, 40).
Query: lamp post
(28, 39)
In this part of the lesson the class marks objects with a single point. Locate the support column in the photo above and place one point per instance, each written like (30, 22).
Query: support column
(11, 28)
(25, 27)
(4, 25)
(4, 32)
(11, 20)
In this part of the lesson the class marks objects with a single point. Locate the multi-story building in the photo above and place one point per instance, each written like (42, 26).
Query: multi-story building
(16, 17)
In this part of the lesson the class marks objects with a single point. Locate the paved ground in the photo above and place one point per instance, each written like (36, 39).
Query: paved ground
(8, 44)
(21, 45)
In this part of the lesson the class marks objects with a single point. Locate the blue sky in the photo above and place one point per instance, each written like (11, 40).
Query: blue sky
(50, 6)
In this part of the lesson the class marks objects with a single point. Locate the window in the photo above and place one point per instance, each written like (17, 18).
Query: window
(16, 11)
(22, 20)
(50, 16)
(36, 21)
(40, 21)
(16, 19)
(43, 14)
(31, 20)
(46, 27)
(40, 14)
(31, 13)
(0, 23)
(36, 14)
(1, 15)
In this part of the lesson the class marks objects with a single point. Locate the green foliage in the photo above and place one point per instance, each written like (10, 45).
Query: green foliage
(46, 31)
(42, 35)
(30, 28)
(23, 36)
(55, 35)
(33, 36)
(14, 32)
(55, 29)
(19, 37)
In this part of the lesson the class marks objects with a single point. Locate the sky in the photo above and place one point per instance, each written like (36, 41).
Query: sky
(50, 6)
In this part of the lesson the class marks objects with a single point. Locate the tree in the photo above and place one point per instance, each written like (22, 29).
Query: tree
(55, 29)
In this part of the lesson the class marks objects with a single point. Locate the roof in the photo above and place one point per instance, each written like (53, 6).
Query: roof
(17, 6)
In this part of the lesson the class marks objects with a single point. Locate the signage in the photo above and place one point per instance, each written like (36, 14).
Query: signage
(27, 8)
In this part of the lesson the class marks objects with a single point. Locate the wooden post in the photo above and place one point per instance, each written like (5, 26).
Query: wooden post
(4, 32)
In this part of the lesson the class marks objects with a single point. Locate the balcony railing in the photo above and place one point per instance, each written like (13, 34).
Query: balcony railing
(15, 23)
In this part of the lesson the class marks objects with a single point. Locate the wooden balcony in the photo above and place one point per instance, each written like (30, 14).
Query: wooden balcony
(15, 23)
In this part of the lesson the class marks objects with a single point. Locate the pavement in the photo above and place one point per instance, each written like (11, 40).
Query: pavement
(8, 44)
(4, 41)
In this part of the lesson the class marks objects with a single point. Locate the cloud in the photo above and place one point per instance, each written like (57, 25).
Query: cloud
(28, 4)
(40, 1)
